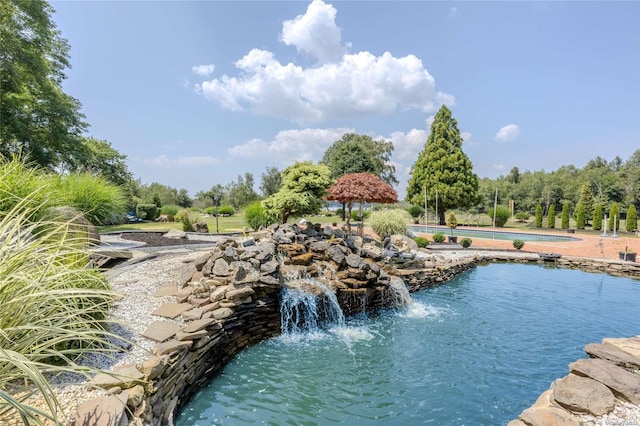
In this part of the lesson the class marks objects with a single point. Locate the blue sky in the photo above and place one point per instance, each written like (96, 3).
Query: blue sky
(196, 93)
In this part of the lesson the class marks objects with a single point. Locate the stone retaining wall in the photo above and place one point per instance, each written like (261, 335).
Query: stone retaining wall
(228, 299)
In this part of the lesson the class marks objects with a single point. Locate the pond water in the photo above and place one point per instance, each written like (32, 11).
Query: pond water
(490, 234)
(475, 351)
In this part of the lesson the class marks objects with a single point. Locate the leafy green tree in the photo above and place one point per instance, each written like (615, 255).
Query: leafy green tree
(444, 168)
(40, 123)
(183, 199)
(271, 181)
(597, 217)
(99, 158)
(502, 215)
(241, 193)
(565, 216)
(538, 216)
(355, 153)
(580, 216)
(551, 217)
(255, 216)
(586, 199)
(303, 185)
(632, 219)
(614, 216)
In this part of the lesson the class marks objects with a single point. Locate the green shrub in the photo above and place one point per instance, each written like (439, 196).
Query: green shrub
(101, 202)
(466, 242)
(25, 186)
(212, 211)
(438, 238)
(195, 209)
(365, 215)
(522, 216)
(422, 242)
(538, 216)
(188, 218)
(551, 217)
(147, 211)
(339, 212)
(580, 216)
(632, 219)
(415, 211)
(227, 210)
(597, 217)
(389, 222)
(502, 215)
(614, 213)
(518, 244)
(53, 310)
(170, 211)
(564, 224)
(452, 221)
(255, 216)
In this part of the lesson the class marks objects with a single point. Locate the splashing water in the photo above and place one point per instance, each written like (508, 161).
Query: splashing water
(400, 296)
(307, 305)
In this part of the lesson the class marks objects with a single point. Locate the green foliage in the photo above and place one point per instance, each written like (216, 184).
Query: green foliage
(339, 212)
(518, 244)
(415, 211)
(439, 237)
(53, 309)
(147, 211)
(240, 193)
(632, 219)
(170, 211)
(597, 217)
(227, 210)
(443, 167)
(422, 242)
(211, 211)
(355, 153)
(580, 216)
(565, 217)
(195, 209)
(271, 181)
(365, 215)
(538, 216)
(452, 221)
(303, 185)
(98, 158)
(551, 217)
(188, 218)
(255, 216)
(29, 187)
(614, 213)
(389, 222)
(502, 215)
(586, 199)
(101, 201)
(466, 242)
(522, 216)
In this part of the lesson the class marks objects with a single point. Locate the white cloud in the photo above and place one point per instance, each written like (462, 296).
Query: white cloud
(178, 162)
(453, 12)
(408, 145)
(343, 86)
(290, 145)
(204, 70)
(315, 33)
(508, 133)
(498, 166)
(466, 137)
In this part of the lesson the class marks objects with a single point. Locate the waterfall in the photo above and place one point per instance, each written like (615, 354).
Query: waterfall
(399, 293)
(307, 304)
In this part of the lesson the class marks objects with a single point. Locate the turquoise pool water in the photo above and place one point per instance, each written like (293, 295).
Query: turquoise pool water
(475, 351)
(490, 234)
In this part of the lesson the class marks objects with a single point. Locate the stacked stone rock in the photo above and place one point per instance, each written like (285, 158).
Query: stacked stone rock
(593, 388)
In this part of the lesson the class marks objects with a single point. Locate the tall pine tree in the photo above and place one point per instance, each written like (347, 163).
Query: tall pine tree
(444, 168)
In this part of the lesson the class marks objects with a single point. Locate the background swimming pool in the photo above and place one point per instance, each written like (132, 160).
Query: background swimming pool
(475, 351)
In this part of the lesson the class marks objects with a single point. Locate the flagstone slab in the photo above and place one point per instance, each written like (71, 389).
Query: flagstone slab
(583, 395)
(161, 331)
(619, 380)
(548, 416)
(171, 346)
(612, 353)
(630, 345)
(171, 310)
(198, 325)
(102, 411)
(167, 290)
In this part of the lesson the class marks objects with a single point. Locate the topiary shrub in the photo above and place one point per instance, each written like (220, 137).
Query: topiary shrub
(614, 213)
(255, 216)
(466, 242)
(211, 211)
(632, 219)
(452, 221)
(518, 244)
(227, 210)
(438, 238)
(389, 222)
(551, 217)
(580, 216)
(422, 242)
(415, 211)
(522, 216)
(147, 211)
(564, 223)
(538, 216)
(502, 215)
(597, 217)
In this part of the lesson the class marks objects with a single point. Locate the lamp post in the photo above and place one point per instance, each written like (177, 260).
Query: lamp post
(216, 202)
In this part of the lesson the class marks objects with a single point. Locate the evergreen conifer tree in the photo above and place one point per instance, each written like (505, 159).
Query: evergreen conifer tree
(597, 217)
(580, 216)
(614, 216)
(632, 219)
(565, 216)
(538, 216)
(551, 217)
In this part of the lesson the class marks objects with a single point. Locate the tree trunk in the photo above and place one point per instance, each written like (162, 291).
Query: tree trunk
(441, 220)
(344, 207)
